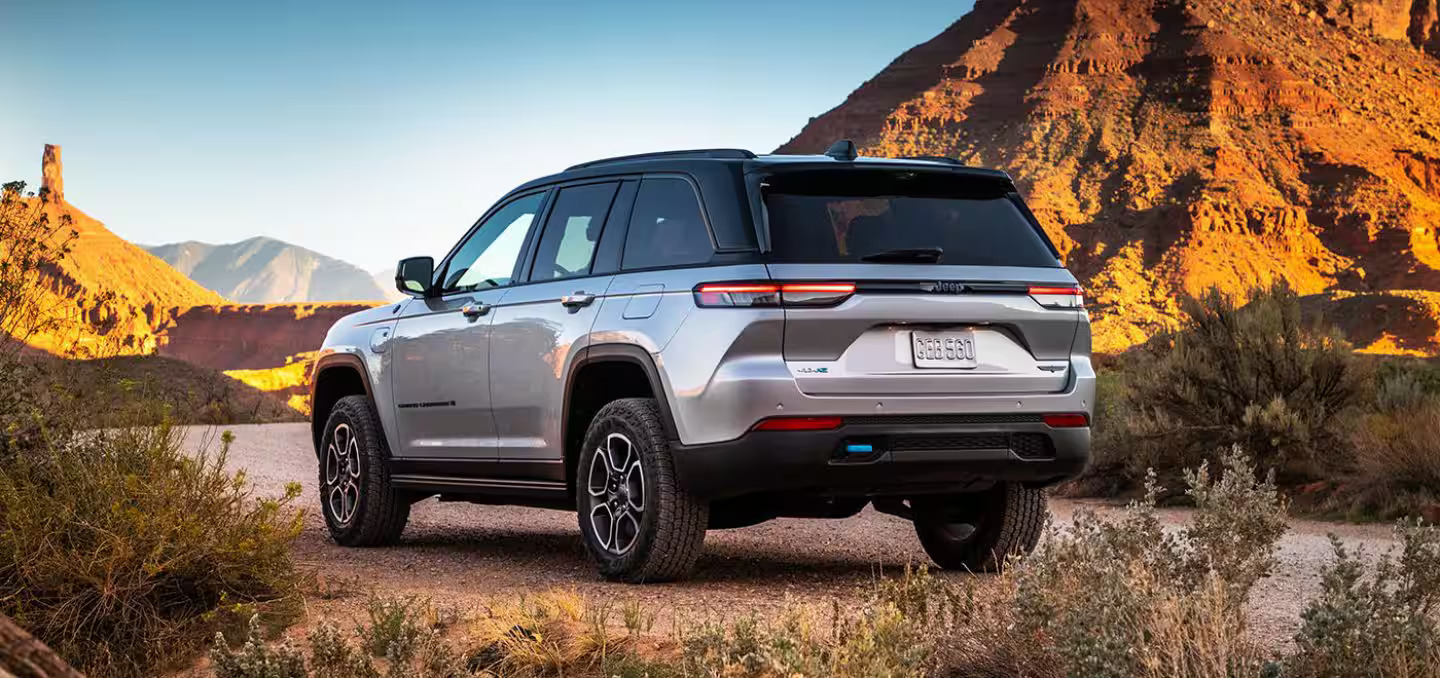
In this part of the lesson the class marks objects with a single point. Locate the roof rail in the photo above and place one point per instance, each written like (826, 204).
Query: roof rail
(932, 158)
(722, 153)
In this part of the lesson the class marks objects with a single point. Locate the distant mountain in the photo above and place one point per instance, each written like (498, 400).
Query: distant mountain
(266, 270)
(386, 280)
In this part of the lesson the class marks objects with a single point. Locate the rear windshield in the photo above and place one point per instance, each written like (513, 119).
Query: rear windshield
(842, 216)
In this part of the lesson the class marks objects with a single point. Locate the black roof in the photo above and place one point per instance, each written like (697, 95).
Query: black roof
(746, 161)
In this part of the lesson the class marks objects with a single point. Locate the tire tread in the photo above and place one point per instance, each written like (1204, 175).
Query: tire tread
(383, 511)
(680, 521)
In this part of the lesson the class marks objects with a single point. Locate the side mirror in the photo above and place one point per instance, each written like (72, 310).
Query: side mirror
(415, 276)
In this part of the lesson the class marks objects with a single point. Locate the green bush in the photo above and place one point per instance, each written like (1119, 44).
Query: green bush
(1255, 375)
(1376, 623)
(122, 553)
(1125, 597)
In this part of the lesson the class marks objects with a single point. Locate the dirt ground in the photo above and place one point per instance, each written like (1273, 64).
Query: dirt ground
(463, 554)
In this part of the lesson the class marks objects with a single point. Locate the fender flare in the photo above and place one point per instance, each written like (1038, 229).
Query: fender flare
(334, 361)
(629, 353)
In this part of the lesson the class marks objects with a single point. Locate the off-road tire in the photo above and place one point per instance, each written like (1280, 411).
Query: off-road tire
(671, 530)
(381, 513)
(1007, 520)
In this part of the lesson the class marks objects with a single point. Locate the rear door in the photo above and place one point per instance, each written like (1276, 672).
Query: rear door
(957, 290)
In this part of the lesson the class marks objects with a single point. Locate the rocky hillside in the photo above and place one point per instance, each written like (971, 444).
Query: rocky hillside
(118, 300)
(1169, 145)
(112, 294)
(265, 270)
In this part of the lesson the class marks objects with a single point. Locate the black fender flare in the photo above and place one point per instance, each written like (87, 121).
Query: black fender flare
(334, 361)
(616, 352)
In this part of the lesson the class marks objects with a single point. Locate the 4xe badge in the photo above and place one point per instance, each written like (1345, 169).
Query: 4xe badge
(813, 370)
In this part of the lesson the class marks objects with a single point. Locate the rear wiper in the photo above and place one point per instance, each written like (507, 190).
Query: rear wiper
(915, 255)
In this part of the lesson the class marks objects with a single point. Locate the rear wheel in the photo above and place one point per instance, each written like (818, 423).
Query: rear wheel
(637, 523)
(361, 507)
(978, 531)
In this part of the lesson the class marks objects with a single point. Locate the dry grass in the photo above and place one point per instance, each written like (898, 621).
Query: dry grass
(1397, 465)
(1116, 596)
(121, 552)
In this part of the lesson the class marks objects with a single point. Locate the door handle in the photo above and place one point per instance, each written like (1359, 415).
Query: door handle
(473, 310)
(577, 300)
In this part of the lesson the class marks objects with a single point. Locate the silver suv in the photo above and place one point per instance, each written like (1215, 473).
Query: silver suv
(675, 342)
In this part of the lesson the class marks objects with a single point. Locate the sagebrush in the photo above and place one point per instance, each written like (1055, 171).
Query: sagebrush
(120, 551)
(1119, 594)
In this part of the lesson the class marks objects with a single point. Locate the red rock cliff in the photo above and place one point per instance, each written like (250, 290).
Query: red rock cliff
(1169, 145)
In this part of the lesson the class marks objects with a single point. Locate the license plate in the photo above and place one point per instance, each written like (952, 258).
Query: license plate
(954, 350)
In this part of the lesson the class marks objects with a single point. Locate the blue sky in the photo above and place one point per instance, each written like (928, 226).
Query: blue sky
(374, 130)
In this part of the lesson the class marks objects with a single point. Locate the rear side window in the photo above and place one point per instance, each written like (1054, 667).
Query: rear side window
(845, 216)
(567, 245)
(666, 227)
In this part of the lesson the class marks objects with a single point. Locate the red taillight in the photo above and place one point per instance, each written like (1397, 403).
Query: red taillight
(1067, 296)
(737, 294)
(1066, 420)
(772, 294)
(815, 294)
(800, 424)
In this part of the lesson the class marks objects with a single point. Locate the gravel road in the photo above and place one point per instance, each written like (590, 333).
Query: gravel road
(463, 554)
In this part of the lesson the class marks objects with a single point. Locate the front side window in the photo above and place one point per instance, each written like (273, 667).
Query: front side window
(487, 258)
(667, 227)
(567, 245)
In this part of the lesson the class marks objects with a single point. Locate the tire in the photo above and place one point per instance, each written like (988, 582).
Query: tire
(660, 536)
(977, 532)
(360, 506)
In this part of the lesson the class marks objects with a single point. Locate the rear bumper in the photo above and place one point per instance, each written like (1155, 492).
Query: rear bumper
(911, 455)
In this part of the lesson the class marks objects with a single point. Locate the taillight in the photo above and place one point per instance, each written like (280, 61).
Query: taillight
(800, 424)
(1068, 420)
(772, 294)
(736, 294)
(1067, 296)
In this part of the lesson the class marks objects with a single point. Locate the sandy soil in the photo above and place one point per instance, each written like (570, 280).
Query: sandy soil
(458, 553)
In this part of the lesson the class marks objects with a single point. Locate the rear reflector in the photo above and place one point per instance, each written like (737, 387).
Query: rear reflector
(1058, 296)
(1066, 420)
(749, 295)
(800, 424)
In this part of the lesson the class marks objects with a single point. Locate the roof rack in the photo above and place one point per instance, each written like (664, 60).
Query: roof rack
(932, 158)
(721, 153)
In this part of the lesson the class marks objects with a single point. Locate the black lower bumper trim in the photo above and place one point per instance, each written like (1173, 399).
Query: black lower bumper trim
(883, 459)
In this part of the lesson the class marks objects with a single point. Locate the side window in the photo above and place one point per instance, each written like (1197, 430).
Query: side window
(488, 257)
(567, 245)
(666, 227)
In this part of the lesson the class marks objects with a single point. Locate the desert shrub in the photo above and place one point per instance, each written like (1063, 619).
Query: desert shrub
(881, 641)
(1126, 597)
(402, 637)
(33, 241)
(1376, 623)
(122, 552)
(1254, 375)
(1398, 392)
(1397, 465)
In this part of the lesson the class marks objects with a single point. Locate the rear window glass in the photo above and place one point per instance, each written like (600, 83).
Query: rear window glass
(844, 216)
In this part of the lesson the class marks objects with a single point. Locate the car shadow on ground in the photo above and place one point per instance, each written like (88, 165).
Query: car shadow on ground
(560, 557)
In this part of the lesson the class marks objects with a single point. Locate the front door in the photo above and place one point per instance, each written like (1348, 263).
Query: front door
(441, 345)
(540, 326)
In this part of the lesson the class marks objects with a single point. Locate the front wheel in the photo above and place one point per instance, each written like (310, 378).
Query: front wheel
(637, 523)
(978, 531)
(360, 506)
